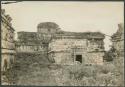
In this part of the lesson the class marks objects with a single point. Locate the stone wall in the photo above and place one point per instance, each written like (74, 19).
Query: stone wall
(47, 27)
(45, 30)
(64, 51)
(66, 44)
(27, 36)
(94, 58)
(32, 42)
(119, 45)
(62, 47)
(30, 48)
(62, 57)
(95, 45)
(7, 39)
(118, 39)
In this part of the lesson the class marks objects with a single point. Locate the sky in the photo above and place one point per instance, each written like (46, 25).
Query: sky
(75, 16)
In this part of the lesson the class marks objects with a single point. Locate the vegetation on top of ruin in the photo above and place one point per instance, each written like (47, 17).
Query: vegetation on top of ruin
(119, 32)
(110, 55)
(82, 34)
(48, 25)
(28, 37)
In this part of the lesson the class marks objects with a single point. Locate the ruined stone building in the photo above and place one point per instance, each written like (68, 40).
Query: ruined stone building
(63, 47)
(68, 47)
(118, 39)
(7, 41)
(28, 42)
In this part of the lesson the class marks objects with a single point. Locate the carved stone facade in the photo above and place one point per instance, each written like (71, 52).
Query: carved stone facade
(118, 39)
(70, 47)
(28, 42)
(7, 39)
(63, 47)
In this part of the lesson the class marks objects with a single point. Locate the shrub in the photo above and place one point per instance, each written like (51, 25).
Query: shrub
(104, 69)
(79, 71)
(110, 55)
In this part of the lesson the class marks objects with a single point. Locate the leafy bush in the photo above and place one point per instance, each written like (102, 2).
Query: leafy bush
(110, 55)
(105, 69)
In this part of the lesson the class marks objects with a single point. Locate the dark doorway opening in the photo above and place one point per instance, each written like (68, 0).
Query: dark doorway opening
(79, 58)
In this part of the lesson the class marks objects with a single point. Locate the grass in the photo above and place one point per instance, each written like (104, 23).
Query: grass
(35, 69)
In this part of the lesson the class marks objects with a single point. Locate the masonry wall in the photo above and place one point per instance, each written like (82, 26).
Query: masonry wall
(63, 57)
(7, 42)
(64, 51)
(66, 44)
(119, 45)
(118, 39)
(45, 30)
(62, 47)
(30, 48)
(94, 58)
(32, 41)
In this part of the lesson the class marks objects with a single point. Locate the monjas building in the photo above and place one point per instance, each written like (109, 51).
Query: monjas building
(63, 47)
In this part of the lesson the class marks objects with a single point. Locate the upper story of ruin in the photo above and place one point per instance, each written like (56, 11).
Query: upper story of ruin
(47, 28)
(119, 35)
(43, 36)
(118, 38)
(47, 31)
(7, 32)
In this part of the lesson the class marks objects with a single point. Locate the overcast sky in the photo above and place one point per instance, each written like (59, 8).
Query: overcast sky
(77, 16)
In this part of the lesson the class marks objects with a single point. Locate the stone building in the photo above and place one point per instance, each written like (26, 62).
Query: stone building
(36, 41)
(28, 42)
(71, 47)
(118, 40)
(7, 41)
(63, 47)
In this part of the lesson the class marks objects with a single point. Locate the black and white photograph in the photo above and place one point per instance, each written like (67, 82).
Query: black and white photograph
(62, 43)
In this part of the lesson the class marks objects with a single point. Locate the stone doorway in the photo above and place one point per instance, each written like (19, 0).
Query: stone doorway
(78, 58)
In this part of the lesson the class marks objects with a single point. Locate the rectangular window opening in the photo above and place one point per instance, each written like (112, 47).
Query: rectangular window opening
(79, 58)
